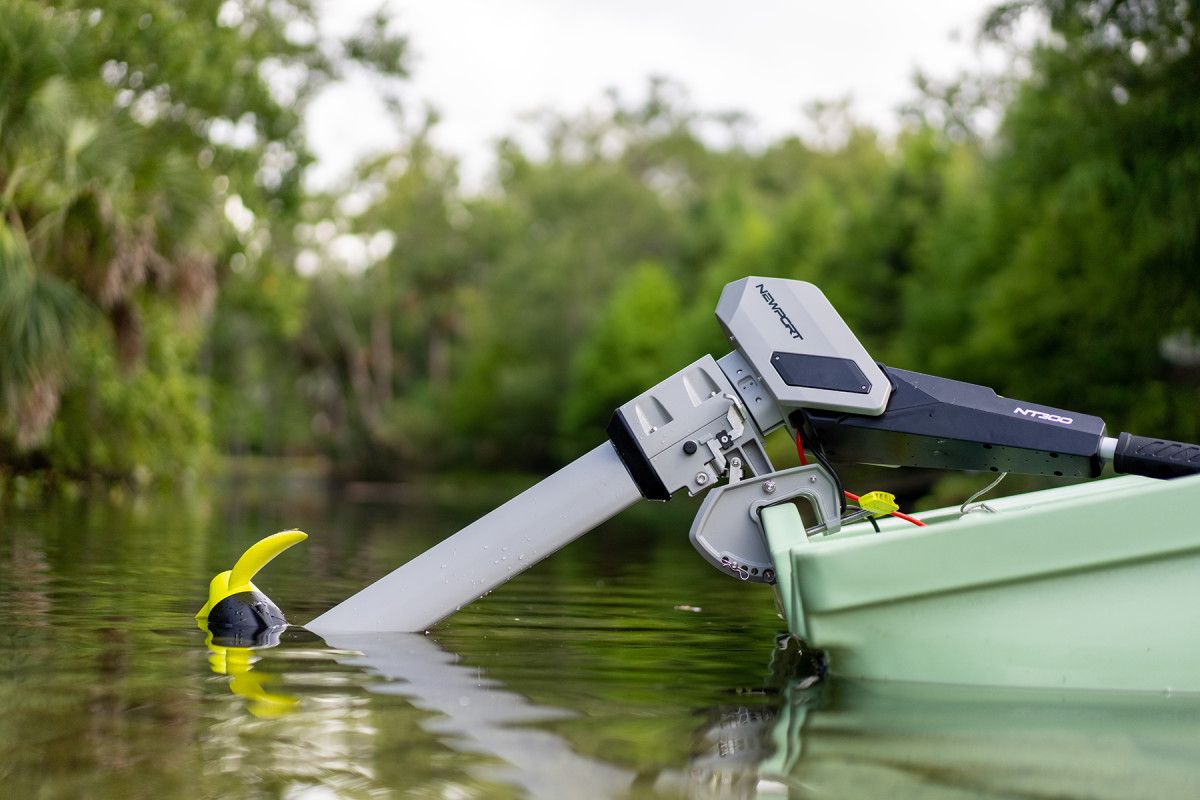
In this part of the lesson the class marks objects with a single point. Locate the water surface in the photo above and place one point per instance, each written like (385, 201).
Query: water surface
(622, 667)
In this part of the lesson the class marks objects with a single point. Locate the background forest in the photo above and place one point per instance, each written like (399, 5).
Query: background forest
(170, 291)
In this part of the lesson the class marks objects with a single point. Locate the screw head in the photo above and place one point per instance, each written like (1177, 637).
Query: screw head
(689, 447)
(769, 487)
(701, 478)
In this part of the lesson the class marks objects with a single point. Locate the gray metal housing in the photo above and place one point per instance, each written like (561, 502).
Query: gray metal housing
(687, 432)
(805, 353)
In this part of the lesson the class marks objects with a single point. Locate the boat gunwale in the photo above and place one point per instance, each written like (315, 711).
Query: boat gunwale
(956, 553)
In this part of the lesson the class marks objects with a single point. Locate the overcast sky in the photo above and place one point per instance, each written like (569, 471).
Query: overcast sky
(482, 63)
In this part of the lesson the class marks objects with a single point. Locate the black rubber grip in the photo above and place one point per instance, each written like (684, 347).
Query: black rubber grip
(1155, 458)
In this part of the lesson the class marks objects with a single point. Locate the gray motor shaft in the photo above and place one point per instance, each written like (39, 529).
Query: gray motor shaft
(489, 551)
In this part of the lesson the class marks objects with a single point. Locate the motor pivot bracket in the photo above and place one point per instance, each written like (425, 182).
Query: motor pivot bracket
(684, 433)
(727, 531)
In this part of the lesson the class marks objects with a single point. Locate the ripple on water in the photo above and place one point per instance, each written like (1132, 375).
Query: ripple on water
(586, 676)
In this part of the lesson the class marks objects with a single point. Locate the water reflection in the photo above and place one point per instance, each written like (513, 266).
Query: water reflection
(591, 675)
(475, 713)
(237, 661)
(815, 738)
(928, 741)
(478, 714)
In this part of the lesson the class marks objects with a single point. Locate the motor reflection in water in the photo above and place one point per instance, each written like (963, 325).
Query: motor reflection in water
(796, 735)
(235, 657)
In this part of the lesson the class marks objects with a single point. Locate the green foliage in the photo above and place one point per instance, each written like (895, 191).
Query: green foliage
(256, 382)
(154, 216)
(38, 318)
(632, 346)
(1068, 257)
(149, 421)
(128, 130)
(553, 245)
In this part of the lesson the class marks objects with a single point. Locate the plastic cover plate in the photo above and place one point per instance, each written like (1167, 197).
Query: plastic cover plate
(770, 316)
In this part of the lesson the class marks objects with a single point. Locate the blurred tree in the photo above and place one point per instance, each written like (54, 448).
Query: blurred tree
(138, 141)
(153, 215)
(1064, 266)
(379, 334)
(38, 317)
(633, 345)
(569, 226)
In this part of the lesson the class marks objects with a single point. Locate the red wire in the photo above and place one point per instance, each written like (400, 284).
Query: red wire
(907, 518)
(851, 495)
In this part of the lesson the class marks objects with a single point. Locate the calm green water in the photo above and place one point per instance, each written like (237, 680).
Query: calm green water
(622, 667)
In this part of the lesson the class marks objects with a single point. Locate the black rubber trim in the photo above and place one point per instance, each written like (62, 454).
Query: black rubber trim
(820, 372)
(636, 461)
(1155, 458)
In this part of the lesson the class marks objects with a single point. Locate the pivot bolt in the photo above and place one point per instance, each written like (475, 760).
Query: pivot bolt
(769, 487)
(701, 478)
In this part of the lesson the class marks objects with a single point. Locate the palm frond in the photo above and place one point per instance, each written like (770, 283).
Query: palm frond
(38, 315)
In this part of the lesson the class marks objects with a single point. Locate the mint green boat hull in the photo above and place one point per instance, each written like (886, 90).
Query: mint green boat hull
(925, 742)
(1095, 586)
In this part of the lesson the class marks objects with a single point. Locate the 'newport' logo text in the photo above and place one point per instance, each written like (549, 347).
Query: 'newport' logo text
(784, 319)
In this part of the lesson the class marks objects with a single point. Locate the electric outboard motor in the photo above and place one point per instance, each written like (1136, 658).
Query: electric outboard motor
(797, 366)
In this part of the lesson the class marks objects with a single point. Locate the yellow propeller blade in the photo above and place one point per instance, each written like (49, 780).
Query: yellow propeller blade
(235, 580)
(258, 556)
(218, 587)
